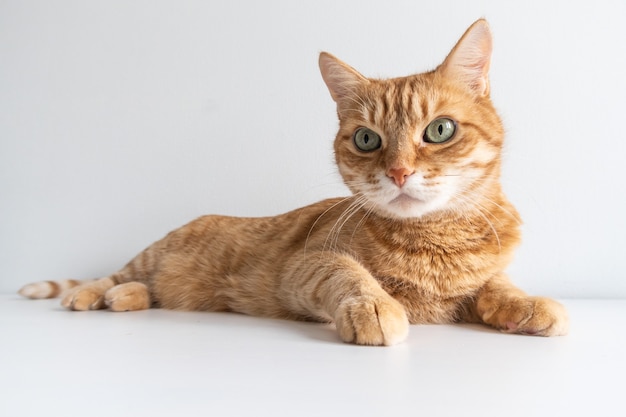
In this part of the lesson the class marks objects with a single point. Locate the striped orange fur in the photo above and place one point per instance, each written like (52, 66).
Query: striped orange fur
(425, 237)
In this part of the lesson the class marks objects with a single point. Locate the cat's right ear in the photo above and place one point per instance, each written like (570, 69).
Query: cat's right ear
(341, 79)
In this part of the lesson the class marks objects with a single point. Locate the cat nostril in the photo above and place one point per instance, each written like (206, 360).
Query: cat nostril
(399, 175)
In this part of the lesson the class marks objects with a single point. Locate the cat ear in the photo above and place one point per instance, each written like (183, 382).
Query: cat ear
(341, 79)
(469, 61)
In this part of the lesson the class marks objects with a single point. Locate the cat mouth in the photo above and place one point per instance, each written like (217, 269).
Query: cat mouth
(405, 206)
(405, 201)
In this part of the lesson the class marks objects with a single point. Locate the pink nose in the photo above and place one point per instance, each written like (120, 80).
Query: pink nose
(399, 175)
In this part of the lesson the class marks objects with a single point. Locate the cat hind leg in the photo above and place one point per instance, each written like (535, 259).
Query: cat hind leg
(88, 296)
(106, 293)
(130, 296)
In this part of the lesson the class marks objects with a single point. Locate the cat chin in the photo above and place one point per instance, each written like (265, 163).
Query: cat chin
(405, 207)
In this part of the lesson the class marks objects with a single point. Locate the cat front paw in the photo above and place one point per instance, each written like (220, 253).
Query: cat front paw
(83, 298)
(366, 320)
(537, 316)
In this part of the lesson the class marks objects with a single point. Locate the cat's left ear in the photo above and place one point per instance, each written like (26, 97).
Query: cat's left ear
(469, 61)
(341, 79)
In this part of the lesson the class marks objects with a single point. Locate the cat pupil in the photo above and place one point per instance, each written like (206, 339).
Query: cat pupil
(366, 138)
(440, 129)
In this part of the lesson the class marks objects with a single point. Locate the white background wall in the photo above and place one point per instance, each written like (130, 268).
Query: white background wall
(120, 120)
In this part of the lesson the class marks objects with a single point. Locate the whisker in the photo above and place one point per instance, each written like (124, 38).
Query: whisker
(480, 210)
(332, 238)
(306, 242)
(363, 219)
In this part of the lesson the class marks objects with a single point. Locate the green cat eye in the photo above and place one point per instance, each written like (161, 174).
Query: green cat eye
(366, 140)
(440, 130)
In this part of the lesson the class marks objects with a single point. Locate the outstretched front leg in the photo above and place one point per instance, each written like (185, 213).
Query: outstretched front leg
(336, 286)
(502, 305)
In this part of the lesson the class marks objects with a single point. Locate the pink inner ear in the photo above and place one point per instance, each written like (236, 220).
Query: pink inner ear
(341, 79)
(470, 59)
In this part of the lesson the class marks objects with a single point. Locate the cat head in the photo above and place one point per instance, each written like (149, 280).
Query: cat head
(426, 143)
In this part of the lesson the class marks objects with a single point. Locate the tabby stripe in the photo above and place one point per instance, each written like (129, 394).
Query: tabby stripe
(463, 149)
(406, 101)
(399, 109)
(489, 166)
(372, 115)
(146, 261)
(115, 279)
(131, 268)
(409, 105)
(55, 289)
(424, 106)
(385, 110)
(317, 290)
(483, 133)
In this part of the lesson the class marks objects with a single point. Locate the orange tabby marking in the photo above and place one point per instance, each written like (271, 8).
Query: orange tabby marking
(424, 238)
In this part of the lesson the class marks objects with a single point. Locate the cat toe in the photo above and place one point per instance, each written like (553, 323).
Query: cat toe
(83, 300)
(535, 316)
(130, 296)
(371, 321)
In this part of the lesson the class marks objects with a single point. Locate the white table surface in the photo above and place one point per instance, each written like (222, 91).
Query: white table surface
(165, 363)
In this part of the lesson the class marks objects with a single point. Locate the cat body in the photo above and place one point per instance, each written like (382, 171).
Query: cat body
(424, 238)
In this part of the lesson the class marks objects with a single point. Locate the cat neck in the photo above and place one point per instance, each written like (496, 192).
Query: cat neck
(493, 222)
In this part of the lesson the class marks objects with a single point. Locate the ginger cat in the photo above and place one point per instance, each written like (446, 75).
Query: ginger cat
(424, 238)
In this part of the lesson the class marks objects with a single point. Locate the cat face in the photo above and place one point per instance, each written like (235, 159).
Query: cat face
(421, 144)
